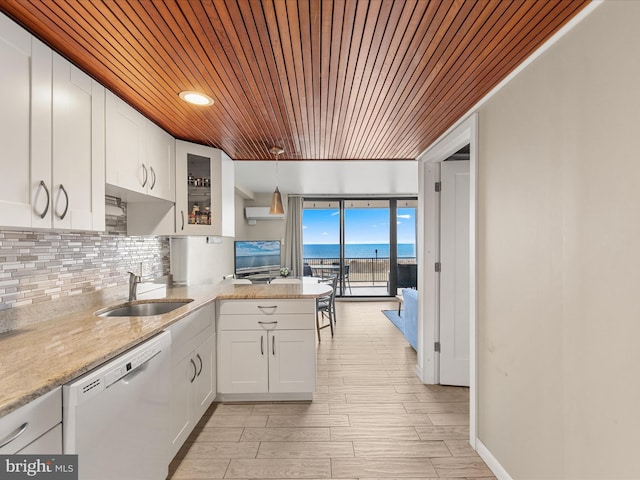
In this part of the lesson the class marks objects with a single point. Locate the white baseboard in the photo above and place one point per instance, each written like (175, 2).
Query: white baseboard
(491, 461)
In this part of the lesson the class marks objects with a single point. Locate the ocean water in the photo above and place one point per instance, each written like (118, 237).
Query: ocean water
(355, 250)
(257, 262)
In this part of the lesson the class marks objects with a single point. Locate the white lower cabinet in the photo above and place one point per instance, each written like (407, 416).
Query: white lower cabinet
(193, 373)
(35, 428)
(266, 349)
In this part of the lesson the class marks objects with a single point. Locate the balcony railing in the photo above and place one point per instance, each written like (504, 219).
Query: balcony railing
(366, 271)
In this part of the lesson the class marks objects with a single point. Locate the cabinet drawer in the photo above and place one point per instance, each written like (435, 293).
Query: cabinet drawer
(300, 321)
(36, 418)
(266, 307)
(50, 443)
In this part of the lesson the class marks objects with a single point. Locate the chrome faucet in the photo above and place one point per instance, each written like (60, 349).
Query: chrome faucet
(134, 280)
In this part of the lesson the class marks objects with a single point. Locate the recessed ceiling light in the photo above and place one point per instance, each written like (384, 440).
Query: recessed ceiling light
(196, 98)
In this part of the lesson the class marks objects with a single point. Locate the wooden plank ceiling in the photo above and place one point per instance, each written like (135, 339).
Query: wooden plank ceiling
(343, 79)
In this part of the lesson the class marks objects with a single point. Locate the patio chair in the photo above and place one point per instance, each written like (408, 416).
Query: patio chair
(407, 275)
(345, 276)
(326, 307)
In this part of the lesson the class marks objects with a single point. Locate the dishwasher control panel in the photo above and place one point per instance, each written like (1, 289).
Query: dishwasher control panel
(131, 364)
(99, 379)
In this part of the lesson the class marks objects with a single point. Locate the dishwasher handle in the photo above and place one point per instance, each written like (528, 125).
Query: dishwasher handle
(127, 376)
(134, 373)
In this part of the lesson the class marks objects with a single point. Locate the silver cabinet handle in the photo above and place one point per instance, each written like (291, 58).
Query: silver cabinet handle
(153, 178)
(13, 435)
(146, 175)
(201, 363)
(66, 207)
(273, 345)
(268, 309)
(275, 322)
(261, 345)
(182, 216)
(195, 370)
(46, 208)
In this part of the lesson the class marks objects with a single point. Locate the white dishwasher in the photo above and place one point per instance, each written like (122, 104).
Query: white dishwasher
(116, 416)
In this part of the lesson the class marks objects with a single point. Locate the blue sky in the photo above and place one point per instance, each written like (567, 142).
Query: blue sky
(362, 225)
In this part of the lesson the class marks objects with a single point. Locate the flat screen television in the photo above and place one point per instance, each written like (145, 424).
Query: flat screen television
(256, 256)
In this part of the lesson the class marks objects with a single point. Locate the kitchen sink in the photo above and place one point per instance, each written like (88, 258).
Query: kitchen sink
(144, 308)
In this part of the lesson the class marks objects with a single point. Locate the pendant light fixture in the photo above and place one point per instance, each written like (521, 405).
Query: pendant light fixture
(276, 200)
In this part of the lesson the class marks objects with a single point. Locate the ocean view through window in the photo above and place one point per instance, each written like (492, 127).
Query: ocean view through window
(358, 241)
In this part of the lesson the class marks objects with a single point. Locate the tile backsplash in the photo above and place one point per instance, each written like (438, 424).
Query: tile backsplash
(37, 266)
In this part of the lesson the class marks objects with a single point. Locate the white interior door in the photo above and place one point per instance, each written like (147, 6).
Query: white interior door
(454, 275)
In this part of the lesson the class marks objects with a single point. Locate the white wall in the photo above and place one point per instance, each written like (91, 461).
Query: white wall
(559, 262)
(194, 261)
(263, 229)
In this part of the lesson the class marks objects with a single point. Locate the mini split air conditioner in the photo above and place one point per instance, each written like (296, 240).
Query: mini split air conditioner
(260, 213)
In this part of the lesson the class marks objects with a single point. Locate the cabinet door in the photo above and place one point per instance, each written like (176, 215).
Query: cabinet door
(242, 356)
(204, 191)
(160, 161)
(204, 387)
(48, 444)
(196, 189)
(78, 159)
(183, 373)
(125, 146)
(292, 361)
(25, 96)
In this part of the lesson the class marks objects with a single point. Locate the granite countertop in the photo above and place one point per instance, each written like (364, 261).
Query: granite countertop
(49, 352)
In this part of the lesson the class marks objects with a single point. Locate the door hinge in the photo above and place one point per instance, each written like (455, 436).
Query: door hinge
(438, 186)
(438, 267)
(436, 346)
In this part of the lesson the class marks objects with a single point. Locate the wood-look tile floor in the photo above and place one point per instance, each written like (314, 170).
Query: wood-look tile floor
(371, 418)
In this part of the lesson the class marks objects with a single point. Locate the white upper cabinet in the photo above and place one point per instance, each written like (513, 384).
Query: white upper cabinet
(125, 146)
(140, 155)
(161, 159)
(18, 52)
(78, 149)
(204, 191)
(52, 137)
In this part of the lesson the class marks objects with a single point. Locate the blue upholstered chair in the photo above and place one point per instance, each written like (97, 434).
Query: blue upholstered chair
(410, 315)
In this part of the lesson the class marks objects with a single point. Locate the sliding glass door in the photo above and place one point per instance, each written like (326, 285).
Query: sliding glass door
(321, 238)
(361, 241)
(406, 264)
(366, 247)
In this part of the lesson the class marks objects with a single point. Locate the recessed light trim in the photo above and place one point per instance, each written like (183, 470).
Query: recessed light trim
(196, 98)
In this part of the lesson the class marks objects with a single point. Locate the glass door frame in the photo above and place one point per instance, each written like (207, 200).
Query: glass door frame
(340, 203)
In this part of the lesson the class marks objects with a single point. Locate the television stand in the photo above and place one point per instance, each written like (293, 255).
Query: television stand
(265, 277)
